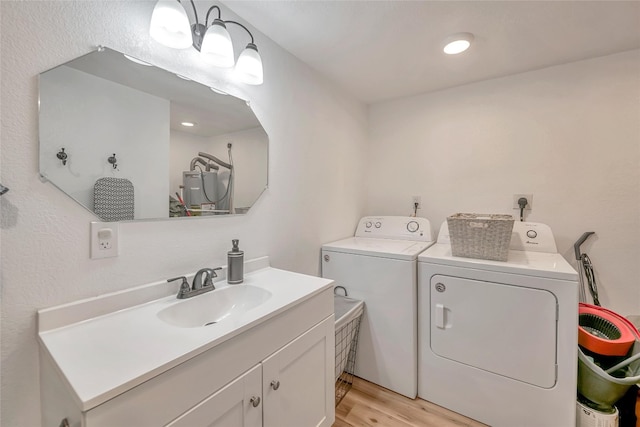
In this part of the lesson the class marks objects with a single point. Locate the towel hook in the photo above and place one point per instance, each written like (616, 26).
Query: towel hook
(113, 161)
(62, 156)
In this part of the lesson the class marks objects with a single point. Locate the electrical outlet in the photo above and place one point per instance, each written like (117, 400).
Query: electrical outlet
(418, 200)
(104, 239)
(529, 198)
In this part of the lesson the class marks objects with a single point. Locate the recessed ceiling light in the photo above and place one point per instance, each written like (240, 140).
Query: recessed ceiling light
(137, 61)
(188, 124)
(458, 43)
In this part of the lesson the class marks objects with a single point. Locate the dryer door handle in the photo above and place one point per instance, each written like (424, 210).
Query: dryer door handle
(439, 316)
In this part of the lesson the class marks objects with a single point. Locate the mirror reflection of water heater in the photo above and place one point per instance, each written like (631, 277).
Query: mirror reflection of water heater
(200, 188)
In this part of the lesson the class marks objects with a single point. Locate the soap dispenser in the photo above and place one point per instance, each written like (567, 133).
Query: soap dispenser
(235, 264)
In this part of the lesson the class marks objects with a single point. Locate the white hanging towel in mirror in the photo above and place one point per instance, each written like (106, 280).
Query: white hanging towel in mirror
(113, 199)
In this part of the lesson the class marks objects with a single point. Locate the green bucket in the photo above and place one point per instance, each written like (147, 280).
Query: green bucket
(602, 388)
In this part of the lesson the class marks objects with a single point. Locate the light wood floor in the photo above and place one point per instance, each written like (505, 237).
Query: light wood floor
(367, 405)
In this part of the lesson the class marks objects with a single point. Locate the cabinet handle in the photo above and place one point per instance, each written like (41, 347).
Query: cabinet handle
(255, 401)
(275, 384)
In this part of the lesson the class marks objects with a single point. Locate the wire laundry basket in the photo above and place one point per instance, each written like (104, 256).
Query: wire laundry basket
(348, 313)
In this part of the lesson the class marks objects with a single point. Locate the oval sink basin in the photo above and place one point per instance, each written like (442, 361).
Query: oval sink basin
(214, 306)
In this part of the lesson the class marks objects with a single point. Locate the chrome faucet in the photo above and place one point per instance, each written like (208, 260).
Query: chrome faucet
(202, 282)
(208, 274)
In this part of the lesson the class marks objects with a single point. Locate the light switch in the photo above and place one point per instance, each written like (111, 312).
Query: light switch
(104, 234)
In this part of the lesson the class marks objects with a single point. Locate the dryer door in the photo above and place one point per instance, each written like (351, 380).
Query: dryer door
(495, 327)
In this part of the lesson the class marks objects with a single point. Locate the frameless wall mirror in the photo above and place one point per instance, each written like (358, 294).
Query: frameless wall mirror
(128, 140)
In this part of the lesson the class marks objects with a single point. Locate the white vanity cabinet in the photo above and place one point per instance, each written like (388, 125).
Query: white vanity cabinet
(275, 369)
(288, 389)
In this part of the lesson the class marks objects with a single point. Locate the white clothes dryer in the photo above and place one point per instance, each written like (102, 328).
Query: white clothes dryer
(379, 266)
(498, 340)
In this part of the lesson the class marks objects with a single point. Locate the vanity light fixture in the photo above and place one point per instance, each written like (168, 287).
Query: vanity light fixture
(458, 43)
(170, 26)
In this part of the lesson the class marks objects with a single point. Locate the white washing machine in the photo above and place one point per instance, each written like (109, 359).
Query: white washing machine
(379, 266)
(498, 340)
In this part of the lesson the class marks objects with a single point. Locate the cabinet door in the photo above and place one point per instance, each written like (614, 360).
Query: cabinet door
(298, 381)
(232, 406)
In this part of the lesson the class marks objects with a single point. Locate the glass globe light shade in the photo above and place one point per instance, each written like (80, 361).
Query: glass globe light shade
(170, 25)
(249, 66)
(217, 48)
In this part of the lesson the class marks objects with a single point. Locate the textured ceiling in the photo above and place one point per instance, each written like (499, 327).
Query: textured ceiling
(378, 50)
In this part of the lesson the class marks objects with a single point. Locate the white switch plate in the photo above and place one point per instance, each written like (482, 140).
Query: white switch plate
(104, 239)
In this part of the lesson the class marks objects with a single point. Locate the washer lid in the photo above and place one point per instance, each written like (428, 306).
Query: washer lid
(527, 263)
(387, 248)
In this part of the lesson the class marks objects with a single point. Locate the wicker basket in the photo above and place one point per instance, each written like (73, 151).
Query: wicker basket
(483, 236)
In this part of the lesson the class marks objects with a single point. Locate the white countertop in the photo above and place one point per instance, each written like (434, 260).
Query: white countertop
(103, 356)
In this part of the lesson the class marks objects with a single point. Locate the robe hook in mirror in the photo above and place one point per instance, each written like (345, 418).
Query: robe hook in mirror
(113, 161)
(62, 156)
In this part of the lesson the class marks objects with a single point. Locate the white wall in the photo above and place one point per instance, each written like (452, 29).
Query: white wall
(569, 135)
(316, 170)
(94, 118)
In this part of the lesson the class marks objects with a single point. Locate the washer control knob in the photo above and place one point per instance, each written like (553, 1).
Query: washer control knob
(413, 226)
(378, 224)
(532, 234)
(368, 224)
